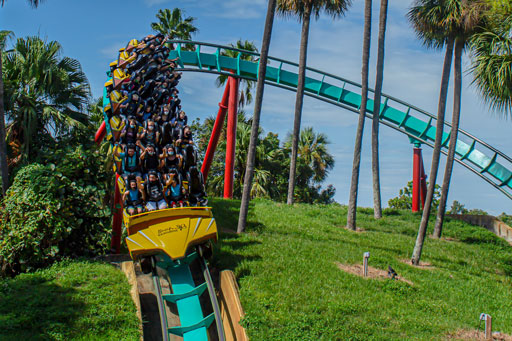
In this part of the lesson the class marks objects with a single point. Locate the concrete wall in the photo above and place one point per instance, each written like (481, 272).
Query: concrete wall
(490, 222)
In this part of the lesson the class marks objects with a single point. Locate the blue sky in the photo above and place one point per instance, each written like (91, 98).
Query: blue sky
(92, 32)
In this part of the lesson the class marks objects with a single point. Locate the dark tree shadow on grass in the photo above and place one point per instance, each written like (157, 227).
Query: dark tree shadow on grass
(33, 308)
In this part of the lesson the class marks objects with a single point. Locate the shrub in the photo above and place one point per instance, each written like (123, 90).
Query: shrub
(404, 199)
(55, 211)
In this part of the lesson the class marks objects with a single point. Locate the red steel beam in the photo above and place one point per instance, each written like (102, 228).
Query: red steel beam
(217, 129)
(416, 173)
(115, 244)
(423, 183)
(231, 138)
(100, 133)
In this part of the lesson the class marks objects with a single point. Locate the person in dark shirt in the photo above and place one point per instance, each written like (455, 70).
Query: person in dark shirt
(154, 193)
(149, 159)
(131, 132)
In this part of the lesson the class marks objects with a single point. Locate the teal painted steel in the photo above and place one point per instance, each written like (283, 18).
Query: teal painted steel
(186, 296)
(399, 115)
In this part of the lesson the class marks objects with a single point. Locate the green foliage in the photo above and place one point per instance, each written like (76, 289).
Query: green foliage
(292, 289)
(459, 208)
(45, 95)
(404, 199)
(54, 209)
(272, 163)
(506, 218)
(72, 300)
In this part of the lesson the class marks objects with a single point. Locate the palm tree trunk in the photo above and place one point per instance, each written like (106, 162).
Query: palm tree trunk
(441, 108)
(260, 87)
(3, 148)
(377, 206)
(457, 88)
(299, 100)
(354, 183)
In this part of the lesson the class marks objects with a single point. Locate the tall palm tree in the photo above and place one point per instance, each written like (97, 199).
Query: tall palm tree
(313, 153)
(303, 10)
(428, 18)
(253, 142)
(449, 23)
(173, 25)
(354, 183)
(492, 62)
(377, 211)
(46, 94)
(245, 86)
(469, 18)
(4, 169)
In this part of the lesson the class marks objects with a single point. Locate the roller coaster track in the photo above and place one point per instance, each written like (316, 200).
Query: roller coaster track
(476, 155)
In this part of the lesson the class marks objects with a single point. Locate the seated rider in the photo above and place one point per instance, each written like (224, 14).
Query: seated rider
(197, 193)
(170, 160)
(150, 133)
(133, 197)
(175, 192)
(181, 120)
(131, 163)
(149, 159)
(154, 192)
(131, 132)
(184, 139)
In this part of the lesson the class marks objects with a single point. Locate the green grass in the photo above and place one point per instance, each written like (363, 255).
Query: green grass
(72, 300)
(291, 288)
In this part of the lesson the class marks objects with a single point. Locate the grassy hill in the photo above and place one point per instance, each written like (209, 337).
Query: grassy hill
(292, 288)
(72, 300)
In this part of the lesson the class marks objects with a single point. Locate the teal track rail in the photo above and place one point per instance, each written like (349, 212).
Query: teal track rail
(186, 297)
(476, 155)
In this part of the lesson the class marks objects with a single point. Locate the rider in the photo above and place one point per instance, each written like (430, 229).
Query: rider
(175, 192)
(154, 192)
(133, 197)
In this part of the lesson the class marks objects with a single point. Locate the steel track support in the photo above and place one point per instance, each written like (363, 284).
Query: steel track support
(115, 244)
(217, 129)
(231, 138)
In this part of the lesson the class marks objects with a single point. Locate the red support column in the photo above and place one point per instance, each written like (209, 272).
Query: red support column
(231, 138)
(423, 183)
(115, 244)
(217, 129)
(100, 133)
(416, 179)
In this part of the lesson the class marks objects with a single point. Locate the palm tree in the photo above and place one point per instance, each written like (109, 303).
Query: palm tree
(469, 19)
(45, 95)
(492, 62)
(441, 24)
(303, 9)
(173, 25)
(253, 142)
(245, 86)
(428, 19)
(354, 183)
(377, 212)
(4, 169)
(313, 154)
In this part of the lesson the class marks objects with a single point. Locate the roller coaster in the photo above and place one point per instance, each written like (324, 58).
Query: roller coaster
(175, 243)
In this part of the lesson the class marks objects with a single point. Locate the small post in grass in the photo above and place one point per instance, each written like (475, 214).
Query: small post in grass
(488, 325)
(365, 263)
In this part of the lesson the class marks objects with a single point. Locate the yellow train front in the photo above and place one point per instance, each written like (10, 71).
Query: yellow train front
(172, 231)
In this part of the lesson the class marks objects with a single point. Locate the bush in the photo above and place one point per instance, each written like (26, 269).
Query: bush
(55, 211)
(404, 199)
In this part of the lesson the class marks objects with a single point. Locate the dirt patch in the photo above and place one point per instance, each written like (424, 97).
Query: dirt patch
(477, 335)
(358, 229)
(422, 265)
(357, 269)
